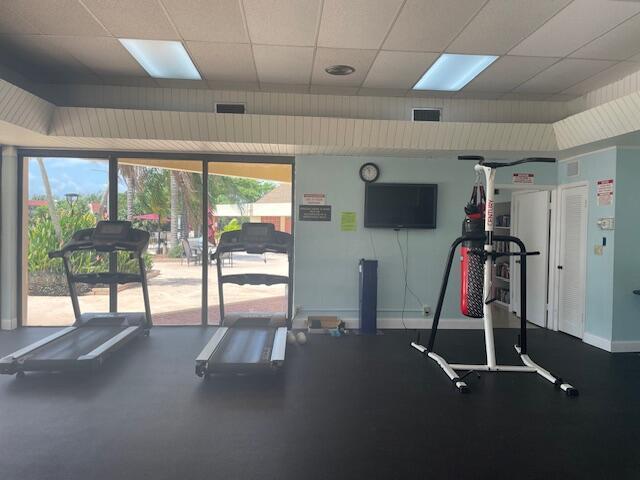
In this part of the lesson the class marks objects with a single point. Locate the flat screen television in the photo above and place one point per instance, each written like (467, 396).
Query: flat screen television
(400, 205)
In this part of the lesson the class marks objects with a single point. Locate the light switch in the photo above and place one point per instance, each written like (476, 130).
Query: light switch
(597, 249)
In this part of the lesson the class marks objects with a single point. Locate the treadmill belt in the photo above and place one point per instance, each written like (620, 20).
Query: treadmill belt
(245, 345)
(75, 344)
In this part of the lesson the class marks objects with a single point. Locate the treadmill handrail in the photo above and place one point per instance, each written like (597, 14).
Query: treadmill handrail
(256, 248)
(254, 279)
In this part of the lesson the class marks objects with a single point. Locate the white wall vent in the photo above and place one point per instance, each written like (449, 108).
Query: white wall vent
(573, 168)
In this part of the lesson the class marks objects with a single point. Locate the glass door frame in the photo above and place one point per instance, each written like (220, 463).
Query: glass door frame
(112, 157)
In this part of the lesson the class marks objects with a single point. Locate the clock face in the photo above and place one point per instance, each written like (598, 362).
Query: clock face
(369, 172)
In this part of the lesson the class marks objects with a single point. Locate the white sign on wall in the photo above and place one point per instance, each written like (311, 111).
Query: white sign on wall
(526, 178)
(604, 191)
(314, 199)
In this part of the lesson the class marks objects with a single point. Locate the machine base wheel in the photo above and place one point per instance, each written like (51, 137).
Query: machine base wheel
(20, 374)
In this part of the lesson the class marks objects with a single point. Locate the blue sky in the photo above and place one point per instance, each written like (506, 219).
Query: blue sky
(69, 175)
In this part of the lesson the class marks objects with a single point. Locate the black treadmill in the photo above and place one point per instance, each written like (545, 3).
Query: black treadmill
(249, 342)
(93, 336)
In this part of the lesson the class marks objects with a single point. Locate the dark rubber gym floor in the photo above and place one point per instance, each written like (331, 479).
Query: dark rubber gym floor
(343, 408)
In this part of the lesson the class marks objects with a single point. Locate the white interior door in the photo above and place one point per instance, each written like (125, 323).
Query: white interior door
(531, 225)
(572, 259)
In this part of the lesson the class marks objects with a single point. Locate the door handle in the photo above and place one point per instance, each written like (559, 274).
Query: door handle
(559, 267)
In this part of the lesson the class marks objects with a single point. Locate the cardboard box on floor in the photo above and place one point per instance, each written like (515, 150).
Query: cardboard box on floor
(323, 323)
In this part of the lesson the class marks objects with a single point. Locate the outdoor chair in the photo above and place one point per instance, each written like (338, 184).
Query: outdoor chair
(190, 254)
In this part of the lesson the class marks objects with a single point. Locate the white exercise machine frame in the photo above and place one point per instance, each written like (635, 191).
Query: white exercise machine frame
(488, 169)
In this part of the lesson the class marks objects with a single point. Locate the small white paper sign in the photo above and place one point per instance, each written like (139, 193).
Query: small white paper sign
(526, 178)
(314, 199)
(604, 191)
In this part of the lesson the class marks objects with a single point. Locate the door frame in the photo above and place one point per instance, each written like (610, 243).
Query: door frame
(553, 322)
(553, 214)
(550, 249)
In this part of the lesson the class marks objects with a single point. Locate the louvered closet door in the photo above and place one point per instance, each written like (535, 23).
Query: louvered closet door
(572, 260)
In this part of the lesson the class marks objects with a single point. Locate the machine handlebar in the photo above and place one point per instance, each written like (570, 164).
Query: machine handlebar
(480, 159)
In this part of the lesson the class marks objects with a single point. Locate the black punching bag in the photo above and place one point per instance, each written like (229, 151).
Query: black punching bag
(472, 268)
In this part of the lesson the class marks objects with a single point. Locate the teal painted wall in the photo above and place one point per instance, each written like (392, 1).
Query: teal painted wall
(626, 305)
(599, 285)
(326, 259)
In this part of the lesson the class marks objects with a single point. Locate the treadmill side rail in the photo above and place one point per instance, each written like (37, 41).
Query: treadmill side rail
(11, 358)
(111, 344)
(202, 361)
(279, 346)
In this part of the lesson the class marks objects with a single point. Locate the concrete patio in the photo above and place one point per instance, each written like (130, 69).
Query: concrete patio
(175, 294)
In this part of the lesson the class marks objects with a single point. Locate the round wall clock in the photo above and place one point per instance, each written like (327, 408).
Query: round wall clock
(369, 172)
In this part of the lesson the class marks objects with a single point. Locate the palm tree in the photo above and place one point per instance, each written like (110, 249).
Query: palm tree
(175, 198)
(50, 200)
(134, 177)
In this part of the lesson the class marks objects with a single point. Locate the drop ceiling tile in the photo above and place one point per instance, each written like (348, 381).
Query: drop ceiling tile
(102, 55)
(144, 19)
(287, 65)
(618, 44)
(328, 90)
(208, 21)
(361, 60)
(58, 17)
(283, 22)
(359, 24)
(129, 81)
(280, 88)
(478, 95)
(430, 26)
(610, 75)
(507, 73)
(38, 57)
(181, 83)
(529, 97)
(14, 22)
(382, 92)
(239, 86)
(562, 75)
(223, 62)
(577, 24)
(398, 69)
(561, 97)
(501, 25)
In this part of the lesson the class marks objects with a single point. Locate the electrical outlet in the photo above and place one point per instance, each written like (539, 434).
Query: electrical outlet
(426, 310)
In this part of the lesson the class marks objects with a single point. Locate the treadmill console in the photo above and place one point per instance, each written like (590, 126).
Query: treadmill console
(257, 233)
(255, 238)
(111, 231)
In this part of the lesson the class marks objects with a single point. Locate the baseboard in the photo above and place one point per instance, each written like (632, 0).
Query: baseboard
(389, 323)
(625, 346)
(596, 341)
(8, 324)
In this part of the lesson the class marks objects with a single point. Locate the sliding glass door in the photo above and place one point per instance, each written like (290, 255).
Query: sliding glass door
(61, 196)
(185, 212)
(163, 197)
(239, 193)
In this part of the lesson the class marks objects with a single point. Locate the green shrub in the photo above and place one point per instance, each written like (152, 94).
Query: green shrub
(176, 252)
(42, 240)
(233, 225)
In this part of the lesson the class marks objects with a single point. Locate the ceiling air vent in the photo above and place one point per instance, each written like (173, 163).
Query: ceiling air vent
(230, 108)
(426, 114)
(573, 169)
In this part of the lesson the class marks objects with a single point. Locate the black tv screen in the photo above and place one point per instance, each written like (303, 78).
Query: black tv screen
(400, 205)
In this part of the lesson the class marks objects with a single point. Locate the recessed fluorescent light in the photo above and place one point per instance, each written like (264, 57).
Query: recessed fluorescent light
(162, 58)
(451, 72)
